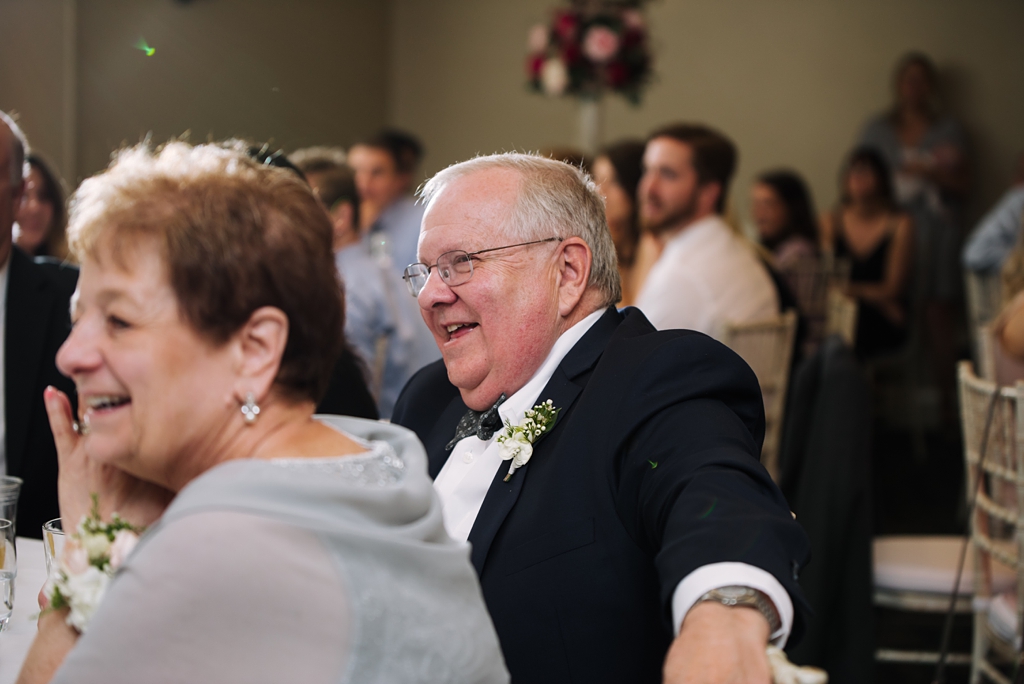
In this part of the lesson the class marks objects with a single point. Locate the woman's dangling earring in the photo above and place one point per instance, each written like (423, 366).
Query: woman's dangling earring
(250, 409)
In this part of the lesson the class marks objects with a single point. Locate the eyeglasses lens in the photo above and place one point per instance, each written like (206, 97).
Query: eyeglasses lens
(416, 278)
(455, 267)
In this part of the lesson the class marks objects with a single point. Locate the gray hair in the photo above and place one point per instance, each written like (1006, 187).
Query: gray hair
(19, 149)
(318, 158)
(554, 199)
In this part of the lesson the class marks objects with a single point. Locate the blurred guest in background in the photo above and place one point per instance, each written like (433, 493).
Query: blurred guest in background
(384, 166)
(317, 160)
(707, 275)
(1000, 229)
(34, 322)
(380, 319)
(926, 153)
(41, 216)
(869, 229)
(784, 217)
(617, 171)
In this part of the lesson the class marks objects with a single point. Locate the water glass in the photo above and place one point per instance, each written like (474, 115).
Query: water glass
(10, 487)
(8, 571)
(53, 543)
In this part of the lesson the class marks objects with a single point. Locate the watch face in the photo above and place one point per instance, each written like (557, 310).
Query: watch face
(735, 592)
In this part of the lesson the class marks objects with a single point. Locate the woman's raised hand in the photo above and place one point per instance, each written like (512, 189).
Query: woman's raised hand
(137, 501)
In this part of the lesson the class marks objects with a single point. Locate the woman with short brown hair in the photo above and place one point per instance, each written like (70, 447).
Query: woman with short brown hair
(281, 547)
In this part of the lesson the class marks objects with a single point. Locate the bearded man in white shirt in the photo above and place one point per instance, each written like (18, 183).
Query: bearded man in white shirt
(637, 537)
(707, 275)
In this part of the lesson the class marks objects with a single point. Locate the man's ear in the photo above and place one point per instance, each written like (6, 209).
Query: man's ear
(341, 217)
(574, 261)
(259, 346)
(707, 197)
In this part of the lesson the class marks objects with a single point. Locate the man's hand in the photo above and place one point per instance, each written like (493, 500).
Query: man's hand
(79, 477)
(719, 645)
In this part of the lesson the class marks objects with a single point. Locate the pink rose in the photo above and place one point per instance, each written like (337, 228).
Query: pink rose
(633, 19)
(74, 559)
(124, 542)
(600, 44)
(537, 38)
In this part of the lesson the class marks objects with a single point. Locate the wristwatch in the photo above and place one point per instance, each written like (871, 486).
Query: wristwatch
(745, 596)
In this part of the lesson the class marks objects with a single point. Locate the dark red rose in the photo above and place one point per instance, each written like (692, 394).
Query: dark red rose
(617, 74)
(571, 53)
(534, 64)
(631, 38)
(567, 24)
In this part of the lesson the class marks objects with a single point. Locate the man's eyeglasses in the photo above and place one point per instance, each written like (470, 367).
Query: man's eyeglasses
(455, 267)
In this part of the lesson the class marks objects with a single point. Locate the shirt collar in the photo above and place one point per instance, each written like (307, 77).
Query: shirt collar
(516, 406)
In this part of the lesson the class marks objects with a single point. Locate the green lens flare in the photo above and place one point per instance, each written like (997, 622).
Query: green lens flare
(144, 46)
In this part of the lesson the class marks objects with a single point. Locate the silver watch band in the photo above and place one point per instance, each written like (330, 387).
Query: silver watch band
(751, 598)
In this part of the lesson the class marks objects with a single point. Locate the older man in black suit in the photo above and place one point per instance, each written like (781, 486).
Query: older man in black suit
(637, 536)
(35, 323)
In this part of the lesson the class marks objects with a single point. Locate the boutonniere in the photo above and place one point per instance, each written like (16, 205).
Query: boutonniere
(517, 440)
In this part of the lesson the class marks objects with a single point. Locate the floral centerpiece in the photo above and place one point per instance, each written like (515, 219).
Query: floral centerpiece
(589, 48)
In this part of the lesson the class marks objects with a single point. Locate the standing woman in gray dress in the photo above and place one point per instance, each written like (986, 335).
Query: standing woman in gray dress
(926, 151)
(280, 547)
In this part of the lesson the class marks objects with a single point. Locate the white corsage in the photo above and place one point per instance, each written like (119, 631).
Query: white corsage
(91, 556)
(517, 441)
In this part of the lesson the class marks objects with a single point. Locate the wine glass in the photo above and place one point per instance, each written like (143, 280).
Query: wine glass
(8, 571)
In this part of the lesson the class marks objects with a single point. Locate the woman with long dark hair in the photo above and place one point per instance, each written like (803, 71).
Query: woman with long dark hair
(41, 215)
(869, 230)
(617, 170)
(784, 217)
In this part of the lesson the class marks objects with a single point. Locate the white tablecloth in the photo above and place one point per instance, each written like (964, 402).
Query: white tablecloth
(17, 638)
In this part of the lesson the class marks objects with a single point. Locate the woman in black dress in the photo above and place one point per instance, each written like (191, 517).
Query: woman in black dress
(877, 238)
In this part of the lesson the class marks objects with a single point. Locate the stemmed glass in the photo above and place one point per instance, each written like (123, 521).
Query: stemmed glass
(8, 571)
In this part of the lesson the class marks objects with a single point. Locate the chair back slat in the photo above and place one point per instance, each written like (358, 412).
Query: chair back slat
(767, 347)
(997, 488)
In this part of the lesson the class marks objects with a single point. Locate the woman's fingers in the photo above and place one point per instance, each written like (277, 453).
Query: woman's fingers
(58, 408)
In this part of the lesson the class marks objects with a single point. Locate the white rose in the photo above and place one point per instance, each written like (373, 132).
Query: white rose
(124, 542)
(85, 592)
(517, 449)
(96, 545)
(554, 77)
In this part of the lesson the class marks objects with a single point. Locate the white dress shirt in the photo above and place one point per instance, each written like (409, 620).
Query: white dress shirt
(5, 271)
(707, 276)
(466, 476)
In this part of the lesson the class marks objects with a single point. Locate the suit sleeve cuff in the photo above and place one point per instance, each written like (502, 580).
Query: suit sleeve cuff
(716, 575)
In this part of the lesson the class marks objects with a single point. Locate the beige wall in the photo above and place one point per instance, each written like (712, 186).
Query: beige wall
(296, 73)
(790, 80)
(32, 75)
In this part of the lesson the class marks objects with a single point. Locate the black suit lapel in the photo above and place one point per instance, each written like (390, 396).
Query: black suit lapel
(29, 300)
(562, 389)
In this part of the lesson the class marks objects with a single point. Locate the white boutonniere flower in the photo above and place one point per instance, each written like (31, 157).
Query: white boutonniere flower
(516, 442)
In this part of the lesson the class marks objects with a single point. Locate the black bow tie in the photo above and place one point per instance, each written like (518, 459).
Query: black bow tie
(483, 424)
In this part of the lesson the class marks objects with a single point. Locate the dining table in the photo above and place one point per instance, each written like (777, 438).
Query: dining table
(16, 639)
